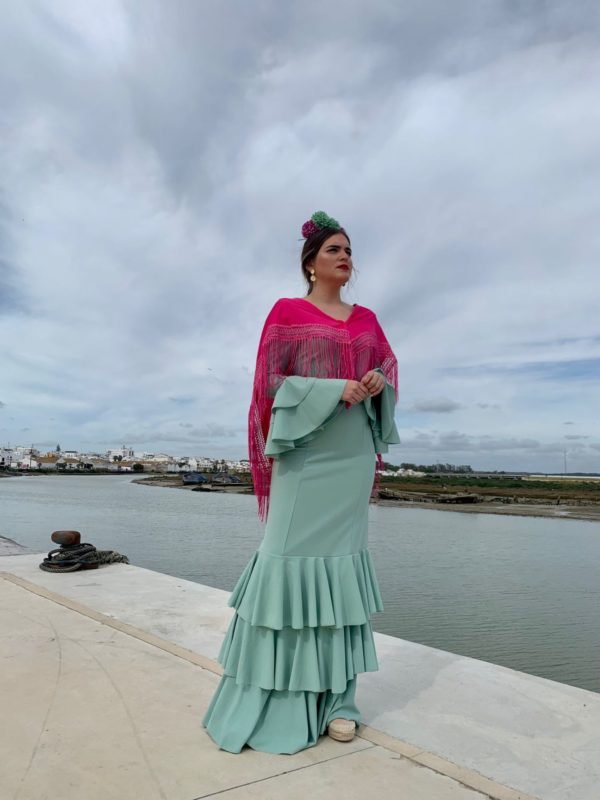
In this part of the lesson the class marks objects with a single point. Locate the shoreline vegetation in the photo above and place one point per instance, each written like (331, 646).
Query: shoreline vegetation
(565, 499)
(571, 497)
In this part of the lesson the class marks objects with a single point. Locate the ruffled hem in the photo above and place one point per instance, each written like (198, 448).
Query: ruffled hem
(313, 659)
(273, 722)
(307, 591)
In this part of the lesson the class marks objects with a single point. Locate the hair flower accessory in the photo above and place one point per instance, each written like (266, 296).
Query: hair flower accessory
(319, 220)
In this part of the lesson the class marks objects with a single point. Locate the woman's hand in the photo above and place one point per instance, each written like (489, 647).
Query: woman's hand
(354, 392)
(373, 381)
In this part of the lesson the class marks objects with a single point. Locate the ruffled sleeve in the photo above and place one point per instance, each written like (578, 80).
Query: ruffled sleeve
(381, 416)
(301, 408)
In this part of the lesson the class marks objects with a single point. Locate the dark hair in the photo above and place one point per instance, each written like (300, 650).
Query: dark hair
(312, 246)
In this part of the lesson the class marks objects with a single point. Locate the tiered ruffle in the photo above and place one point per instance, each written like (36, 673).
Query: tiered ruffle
(311, 659)
(302, 623)
(280, 591)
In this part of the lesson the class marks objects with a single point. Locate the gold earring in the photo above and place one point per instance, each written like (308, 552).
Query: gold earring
(312, 275)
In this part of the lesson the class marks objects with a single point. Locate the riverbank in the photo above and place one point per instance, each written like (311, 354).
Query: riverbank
(568, 498)
(175, 482)
(589, 512)
(529, 507)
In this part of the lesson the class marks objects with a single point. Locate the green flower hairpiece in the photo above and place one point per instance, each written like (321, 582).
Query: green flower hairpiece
(319, 220)
(323, 220)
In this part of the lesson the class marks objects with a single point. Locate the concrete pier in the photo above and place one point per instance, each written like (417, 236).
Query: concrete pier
(107, 673)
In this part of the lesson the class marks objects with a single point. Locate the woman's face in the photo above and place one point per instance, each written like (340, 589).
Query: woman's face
(333, 262)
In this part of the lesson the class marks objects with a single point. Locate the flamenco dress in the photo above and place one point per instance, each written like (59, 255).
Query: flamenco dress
(301, 632)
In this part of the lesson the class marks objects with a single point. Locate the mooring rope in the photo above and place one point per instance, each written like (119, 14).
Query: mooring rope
(69, 558)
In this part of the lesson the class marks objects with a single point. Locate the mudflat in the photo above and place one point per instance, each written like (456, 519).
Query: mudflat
(562, 510)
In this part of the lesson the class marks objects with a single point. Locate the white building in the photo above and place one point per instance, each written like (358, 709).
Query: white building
(26, 462)
(242, 465)
(124, 452)
(183, 464)
(203, 463)
(6, 457)
(20, 452)
(160, 458)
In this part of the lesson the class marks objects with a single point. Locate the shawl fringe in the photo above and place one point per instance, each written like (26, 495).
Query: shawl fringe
(296, 341)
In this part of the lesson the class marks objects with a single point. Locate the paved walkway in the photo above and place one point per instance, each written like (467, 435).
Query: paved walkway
(96, 708)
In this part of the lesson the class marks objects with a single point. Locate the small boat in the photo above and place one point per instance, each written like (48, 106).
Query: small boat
(232, 488)
(193, 478)
(429, 497)
(459, 498)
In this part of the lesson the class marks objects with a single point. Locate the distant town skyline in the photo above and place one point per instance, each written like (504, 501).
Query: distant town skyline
(129, 454)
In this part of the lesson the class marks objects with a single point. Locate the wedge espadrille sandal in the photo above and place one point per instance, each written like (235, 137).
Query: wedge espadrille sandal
(342, 730)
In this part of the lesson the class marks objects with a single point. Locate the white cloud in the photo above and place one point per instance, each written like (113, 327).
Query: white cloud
(158, 162)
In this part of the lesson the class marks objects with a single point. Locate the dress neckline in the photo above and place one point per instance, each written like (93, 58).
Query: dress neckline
(325, 314)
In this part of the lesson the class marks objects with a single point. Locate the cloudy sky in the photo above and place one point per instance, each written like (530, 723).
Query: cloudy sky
(157, 161)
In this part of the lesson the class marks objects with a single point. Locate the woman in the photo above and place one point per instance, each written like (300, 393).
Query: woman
(321, 414)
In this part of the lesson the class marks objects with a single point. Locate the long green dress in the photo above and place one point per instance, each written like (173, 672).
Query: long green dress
(302, 631)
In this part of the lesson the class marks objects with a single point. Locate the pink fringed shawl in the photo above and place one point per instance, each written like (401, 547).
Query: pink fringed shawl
(300, 339)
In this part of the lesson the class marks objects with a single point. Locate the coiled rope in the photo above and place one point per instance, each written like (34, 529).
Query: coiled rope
(83, 555)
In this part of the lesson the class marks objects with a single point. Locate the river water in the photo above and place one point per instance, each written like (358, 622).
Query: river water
(523, 592)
